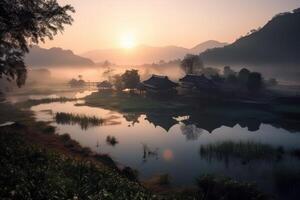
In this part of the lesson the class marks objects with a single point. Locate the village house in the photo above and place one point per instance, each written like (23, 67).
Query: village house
(159, 85)
(199, 83)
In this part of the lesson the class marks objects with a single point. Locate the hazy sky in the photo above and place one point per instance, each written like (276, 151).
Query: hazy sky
(103, 24)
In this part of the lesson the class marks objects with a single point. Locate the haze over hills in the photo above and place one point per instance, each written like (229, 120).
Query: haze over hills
(54, 57)
(277, 43)
(148, 54)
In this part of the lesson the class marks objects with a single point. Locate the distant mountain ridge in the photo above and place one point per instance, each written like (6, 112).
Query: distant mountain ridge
(148, 54)
(278, 42)
(55, 57)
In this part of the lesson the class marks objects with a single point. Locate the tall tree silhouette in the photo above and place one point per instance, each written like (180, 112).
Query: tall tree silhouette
(23, 23)
(191, 64)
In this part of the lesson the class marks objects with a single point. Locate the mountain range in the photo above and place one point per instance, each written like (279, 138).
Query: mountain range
(276, 43)
(54, 57)
(148, 54)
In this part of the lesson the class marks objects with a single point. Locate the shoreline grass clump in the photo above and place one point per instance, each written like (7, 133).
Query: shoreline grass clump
(244, 151)
(83, 120)
(33, 102)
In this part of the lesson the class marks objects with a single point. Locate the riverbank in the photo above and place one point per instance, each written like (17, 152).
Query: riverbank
(36, 159)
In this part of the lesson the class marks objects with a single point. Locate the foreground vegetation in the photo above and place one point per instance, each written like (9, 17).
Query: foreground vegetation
(30, 172)
(38, 164)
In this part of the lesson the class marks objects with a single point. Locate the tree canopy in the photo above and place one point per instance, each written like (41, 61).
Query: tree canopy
(131, 79)
(191, 64)
(23, 23)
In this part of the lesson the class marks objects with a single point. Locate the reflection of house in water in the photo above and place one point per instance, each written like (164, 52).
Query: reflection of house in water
(159, 85)
(165, 121)
(210, 122)
(191, 132)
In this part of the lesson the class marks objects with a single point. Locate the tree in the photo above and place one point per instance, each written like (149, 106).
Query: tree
(131, 79)
(191, 64)
(209, 71)
(243, 76)
(118, 83)
(228, 71)
(272, 82)
(23, 23)
(255, 82)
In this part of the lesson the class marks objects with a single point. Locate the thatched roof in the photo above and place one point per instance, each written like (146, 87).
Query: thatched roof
(159, 82)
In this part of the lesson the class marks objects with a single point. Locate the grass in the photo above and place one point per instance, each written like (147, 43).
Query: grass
(31, 172)
(130, 102)
(84, 121)
(33, 102)
(244, 151)
(12, 114)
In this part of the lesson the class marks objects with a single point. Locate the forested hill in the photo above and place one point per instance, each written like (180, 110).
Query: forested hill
(41, 57)
(278, 42)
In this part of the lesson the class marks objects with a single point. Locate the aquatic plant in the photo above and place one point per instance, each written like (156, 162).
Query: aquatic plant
(33, 102)
(244, 151)
(223, 188)
(111, 140)
(84, 121)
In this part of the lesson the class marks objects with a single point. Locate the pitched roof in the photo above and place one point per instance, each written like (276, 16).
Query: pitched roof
(160, 82)
(199, 81)
(193, 78)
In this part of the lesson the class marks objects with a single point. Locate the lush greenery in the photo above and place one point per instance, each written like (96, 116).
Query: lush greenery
(23, 23)
(83, 120)
(30, 172)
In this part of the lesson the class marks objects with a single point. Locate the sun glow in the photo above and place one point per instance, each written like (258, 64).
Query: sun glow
(128, 41)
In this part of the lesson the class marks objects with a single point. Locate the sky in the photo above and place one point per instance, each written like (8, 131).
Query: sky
(103, 24)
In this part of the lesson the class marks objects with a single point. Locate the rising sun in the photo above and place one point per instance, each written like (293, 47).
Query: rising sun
(127, 41)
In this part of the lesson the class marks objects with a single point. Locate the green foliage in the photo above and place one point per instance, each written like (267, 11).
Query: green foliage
(23, 23)
(28, 172)
(222, 188)
(131, 79)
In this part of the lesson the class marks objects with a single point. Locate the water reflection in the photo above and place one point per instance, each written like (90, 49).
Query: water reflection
(191, 132)
(169, 142)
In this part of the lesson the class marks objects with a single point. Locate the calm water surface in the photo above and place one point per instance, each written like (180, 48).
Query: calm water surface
(175, 144)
